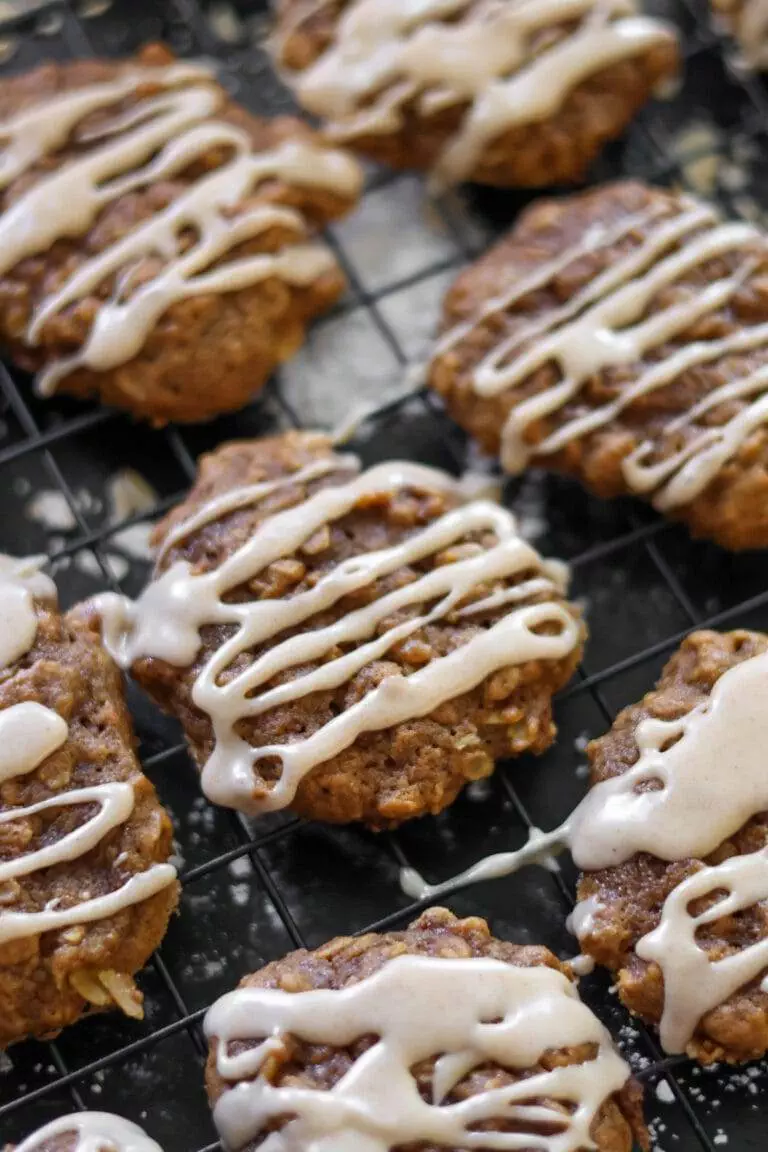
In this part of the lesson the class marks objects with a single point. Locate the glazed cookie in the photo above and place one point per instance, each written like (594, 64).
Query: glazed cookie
(88, 1132)
(86, 889)
(621, 336)
(388, 1037)
(352, 645)
(511, 94)
(155, 242)
(676, 900)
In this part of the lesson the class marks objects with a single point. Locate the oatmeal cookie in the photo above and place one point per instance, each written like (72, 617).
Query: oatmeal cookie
(395, 1008)
(156, 237)
(621, 336)
(683, 925)
(520, 95)
(86, 889)
(353, 645)
(100, 1131)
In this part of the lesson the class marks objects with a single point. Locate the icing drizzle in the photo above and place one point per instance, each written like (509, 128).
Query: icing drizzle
(166, 621)
(467, 1012)
(95, 1132)
(29, 734)
(604, 326)
(686, 815)
(21, 583)
(159, 138)
(438, 54)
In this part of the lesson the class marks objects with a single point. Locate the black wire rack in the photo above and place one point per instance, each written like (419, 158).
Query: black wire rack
(255, 890)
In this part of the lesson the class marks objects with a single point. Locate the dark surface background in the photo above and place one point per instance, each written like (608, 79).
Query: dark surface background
(253, 891)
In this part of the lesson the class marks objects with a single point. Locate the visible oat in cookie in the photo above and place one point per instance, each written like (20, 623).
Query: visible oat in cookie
(427, 1038)
(155, 238)
(621, 336)
(356, 645)
(86, 889)
(521, 93)
(683, 921)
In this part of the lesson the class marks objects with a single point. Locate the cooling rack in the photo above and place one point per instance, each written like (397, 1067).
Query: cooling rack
(255, 890)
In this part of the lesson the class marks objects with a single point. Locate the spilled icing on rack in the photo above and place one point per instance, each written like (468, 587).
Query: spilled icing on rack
(29, 734)
(165, 622)
(95, 1132)
(439, 54)
(158, 138)
(604, 325)
(468, 1012)
(687, 814)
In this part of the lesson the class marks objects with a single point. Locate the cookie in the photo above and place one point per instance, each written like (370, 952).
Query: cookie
(621, 336)
(352, 645)
(513, 95)
(86, 889)
(421, 1039)
(96, 1131)
(675, 831)
(156, 237)
(747, 21)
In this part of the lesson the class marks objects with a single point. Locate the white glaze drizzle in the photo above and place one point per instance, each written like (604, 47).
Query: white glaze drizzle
(602, 326)
(155, 140)
(466, 1012)
(29, 734)
(687, 814)
(166, 621)
(694, 984)
(21, 583)
(387, 54)
(95, 1132)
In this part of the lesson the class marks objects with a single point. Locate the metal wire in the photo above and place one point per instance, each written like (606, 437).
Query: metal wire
(71, 33)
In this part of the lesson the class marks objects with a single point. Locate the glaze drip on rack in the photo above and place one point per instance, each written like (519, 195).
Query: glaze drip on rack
(167, 619)
(604, 325)
(417, 1007)
(438, 54)
(94, 1132)
(158, 138)
(29, 734)
(685, 815)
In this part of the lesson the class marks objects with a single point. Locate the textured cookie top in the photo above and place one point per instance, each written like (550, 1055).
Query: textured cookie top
(673, 840)
(622, 335)
(379, 587)
(89, 1132)
(428, 1038)
(84, 842)
(365, 66)
(683, 900)
(128, 188)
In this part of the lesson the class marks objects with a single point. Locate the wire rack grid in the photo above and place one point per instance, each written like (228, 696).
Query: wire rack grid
(254, 890)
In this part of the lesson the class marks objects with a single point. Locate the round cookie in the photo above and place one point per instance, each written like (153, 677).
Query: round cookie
(386, 1016)
(86, 889)
(683, 924)
(505, 94)
(354, 645)
(155, 237)
(621, 336)
(96, 1131)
